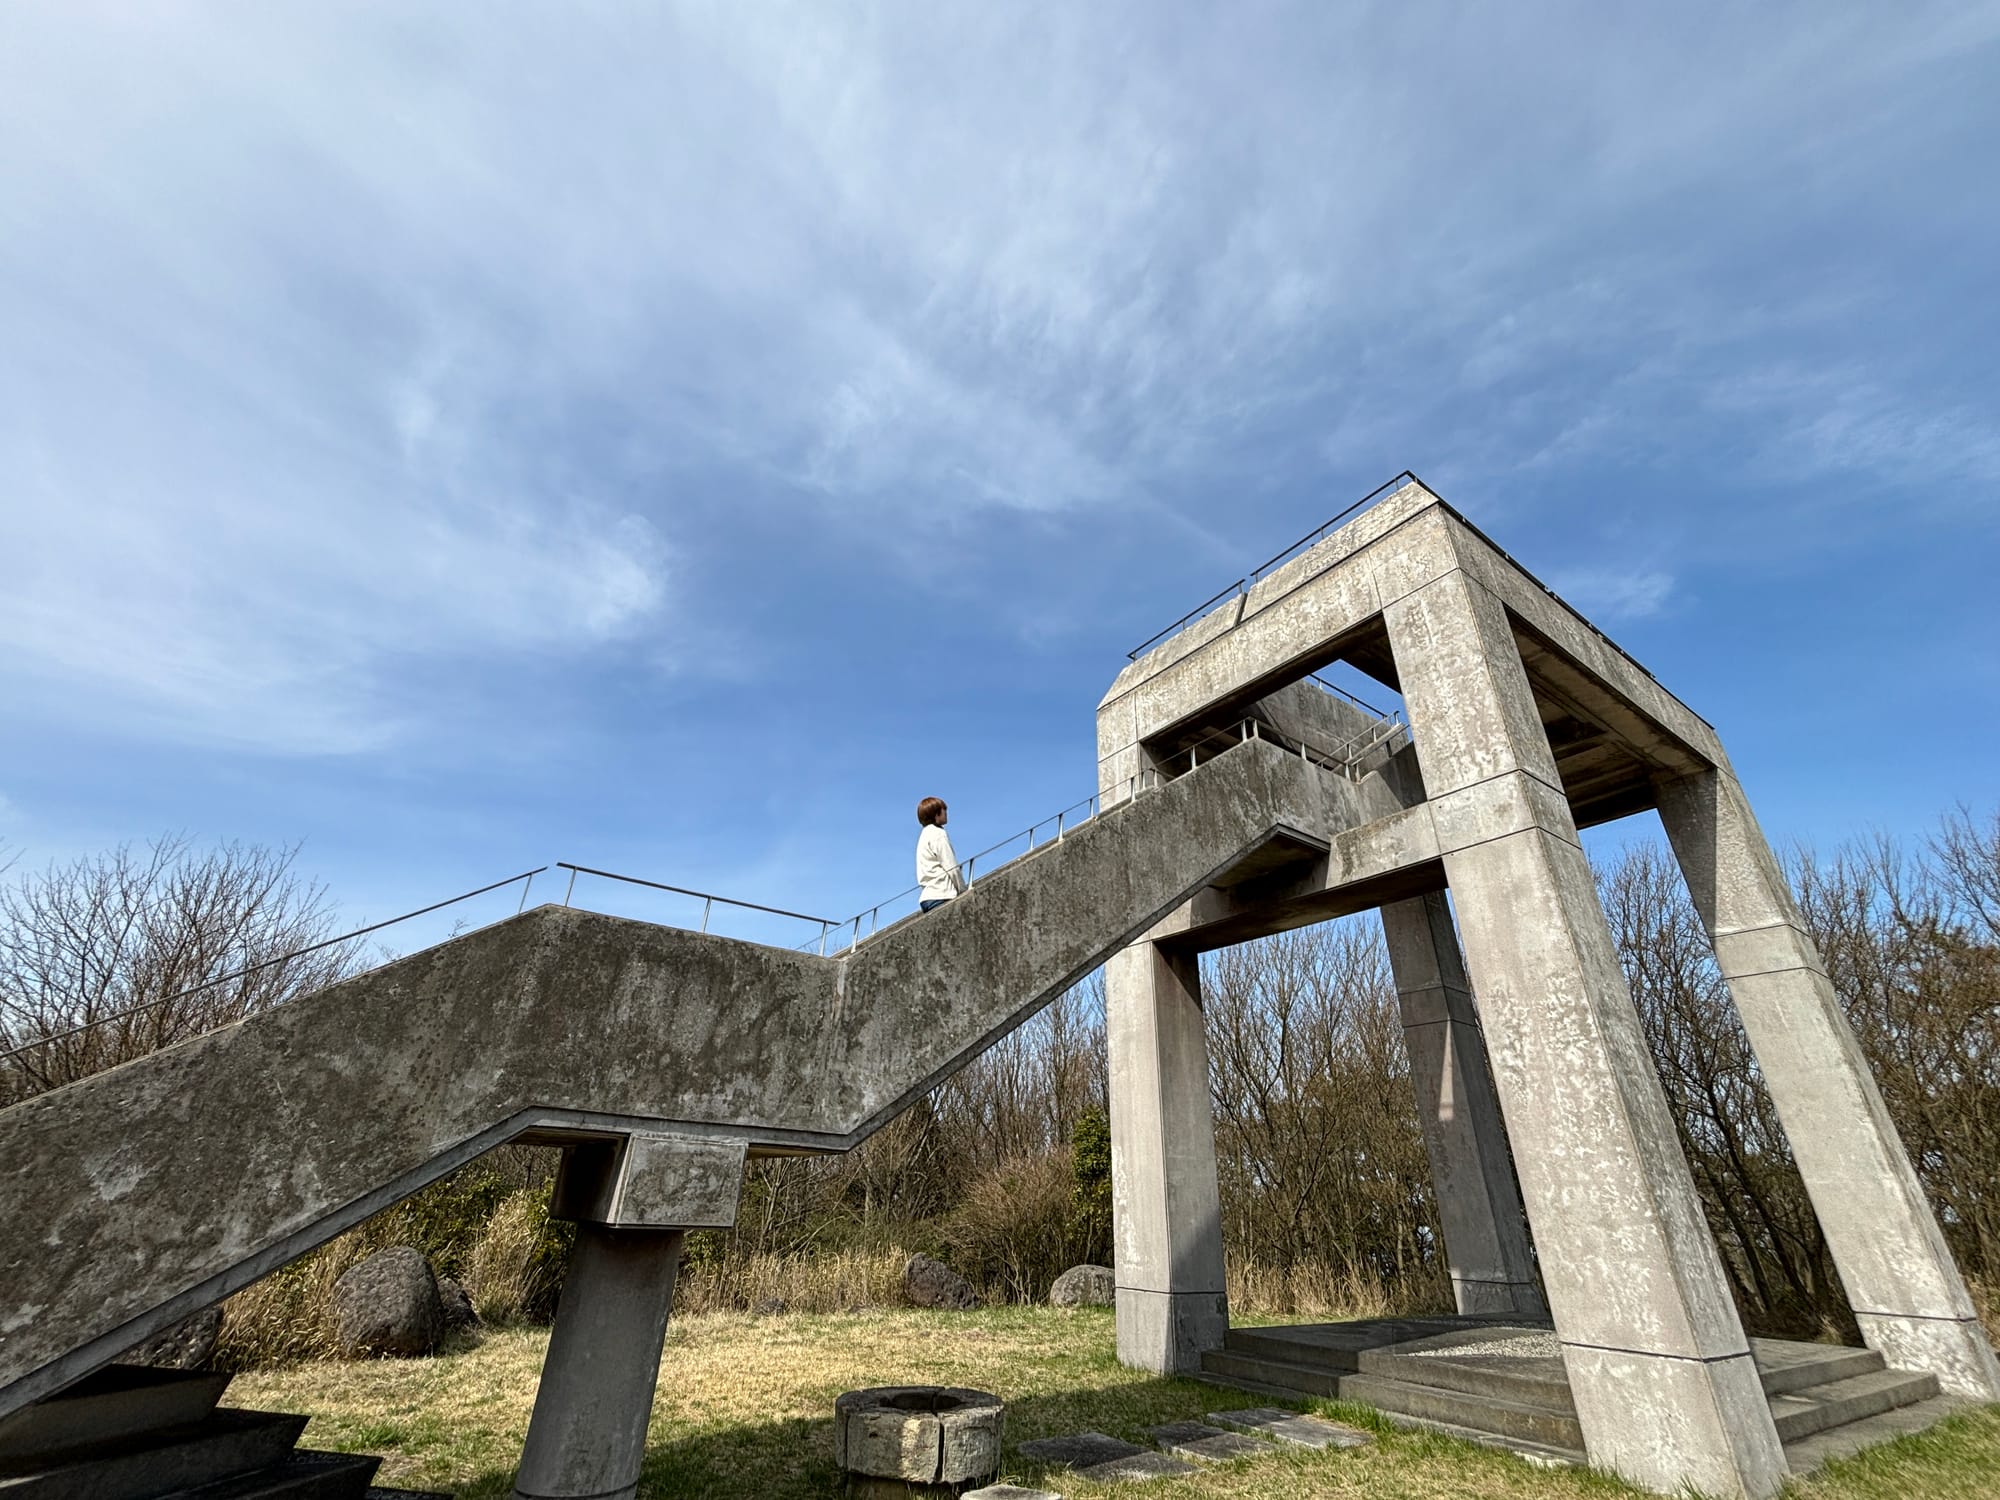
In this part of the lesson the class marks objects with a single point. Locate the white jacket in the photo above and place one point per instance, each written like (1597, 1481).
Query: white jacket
(938, 877)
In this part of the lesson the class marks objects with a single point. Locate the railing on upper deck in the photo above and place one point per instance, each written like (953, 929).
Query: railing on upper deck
(1264, 569)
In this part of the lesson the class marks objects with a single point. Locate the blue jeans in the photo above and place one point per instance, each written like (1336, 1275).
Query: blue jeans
(927, 905)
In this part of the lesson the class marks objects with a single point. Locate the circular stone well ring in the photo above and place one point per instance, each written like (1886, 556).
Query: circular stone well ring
(894, 1440)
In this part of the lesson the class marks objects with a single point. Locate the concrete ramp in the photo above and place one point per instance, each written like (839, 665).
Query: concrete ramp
(132, 1198)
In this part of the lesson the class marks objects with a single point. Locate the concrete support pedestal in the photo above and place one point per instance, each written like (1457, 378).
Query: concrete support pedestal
(1658, 1364)
(1479, 1205)
(587, 1437)
(1899, 1274)
(1172, 1298)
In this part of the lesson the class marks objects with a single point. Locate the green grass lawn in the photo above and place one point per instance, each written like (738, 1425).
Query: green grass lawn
(744, 1409)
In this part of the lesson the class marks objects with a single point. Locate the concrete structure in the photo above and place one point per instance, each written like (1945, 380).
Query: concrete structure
(1239, 799)
(1485, 1228)
(1525, 725)
(658, 1058)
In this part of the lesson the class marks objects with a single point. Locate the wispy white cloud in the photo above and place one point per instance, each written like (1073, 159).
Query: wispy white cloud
(1610, 594)
(350, 344)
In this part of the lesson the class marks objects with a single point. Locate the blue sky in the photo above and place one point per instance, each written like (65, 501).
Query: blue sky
(675, 439)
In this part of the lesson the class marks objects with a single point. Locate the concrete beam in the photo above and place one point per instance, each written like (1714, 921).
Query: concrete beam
(652, 1181)
(1173, 1301)
(1899, 1274)
(587, 1437)
(1479, 1205)
(1660, 1369)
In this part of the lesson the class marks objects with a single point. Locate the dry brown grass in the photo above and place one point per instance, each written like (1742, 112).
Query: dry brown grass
(744, 1403)
(1313, 1290)
(835, 1281)
(511, 1264)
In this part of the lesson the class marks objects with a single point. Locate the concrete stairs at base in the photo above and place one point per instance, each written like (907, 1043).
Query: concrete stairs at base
(1456, 1375)
(128, 1432)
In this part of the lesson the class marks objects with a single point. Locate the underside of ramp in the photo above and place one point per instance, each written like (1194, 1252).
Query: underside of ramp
(137, 1196)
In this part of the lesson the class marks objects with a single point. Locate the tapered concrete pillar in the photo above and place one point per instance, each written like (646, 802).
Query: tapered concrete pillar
(588, 1434)
(1479, 1206)
(1167, 1212)
(1899, 1274)
(1658, 1363)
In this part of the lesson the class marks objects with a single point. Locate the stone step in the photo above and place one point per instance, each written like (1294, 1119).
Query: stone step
(303, 1475)
(149, 1465)
(1495, 1414)
(118, 1401)
(1807, 1454)
(1543, 1426)
(1528, 1386)
(1783, 1365)
(1537, 1453)
(1786, 1366)
(1259, 1343)
(1839, 1402)
(1281, 1376)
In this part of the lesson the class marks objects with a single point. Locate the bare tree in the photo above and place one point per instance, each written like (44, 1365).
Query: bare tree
(111, 956)
(1318, 1148)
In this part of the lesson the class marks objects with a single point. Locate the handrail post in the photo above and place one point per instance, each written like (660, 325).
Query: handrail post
(526, 886)
(571, 889)
(822, 939)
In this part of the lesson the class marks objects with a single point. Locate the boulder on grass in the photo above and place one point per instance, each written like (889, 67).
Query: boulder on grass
(1084, 1286)
(457, 1304)
(932, 1283)
(185, 1346)
(388, 1304)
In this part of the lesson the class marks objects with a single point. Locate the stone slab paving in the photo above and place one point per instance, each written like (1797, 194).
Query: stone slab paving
(1528, 1343)
(1199, 1440)
(1290, 1427)
(1009, 1492)
(1081, 1450)
(1141, 1465)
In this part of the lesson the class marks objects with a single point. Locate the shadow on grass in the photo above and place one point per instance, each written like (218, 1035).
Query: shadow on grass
(793, 1459)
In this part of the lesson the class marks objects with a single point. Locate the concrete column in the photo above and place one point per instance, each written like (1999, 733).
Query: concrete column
(1659, 1367)
(588, 1434)
(1167, 1213)
(1479, 1206)
(1900, 1276)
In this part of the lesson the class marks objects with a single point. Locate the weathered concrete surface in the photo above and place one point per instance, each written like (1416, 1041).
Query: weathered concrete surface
(134, 1197)
(1173, 1301)
(946, 1435)
(587, 1437)
(652, 1181)
(1659, 1365)
(1530, 723)
(1621, 727)
(1899, 1274)
(1479, 1205)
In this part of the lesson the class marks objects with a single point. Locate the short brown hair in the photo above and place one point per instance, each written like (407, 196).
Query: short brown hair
(929, 810)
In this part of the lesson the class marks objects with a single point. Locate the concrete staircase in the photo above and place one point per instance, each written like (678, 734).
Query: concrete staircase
(1502, 1384)
(128, 1432)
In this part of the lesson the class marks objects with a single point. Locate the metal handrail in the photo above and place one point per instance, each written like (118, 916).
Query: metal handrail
(707, 898)
(526, 877)
(1242, 585)
(1340, 692)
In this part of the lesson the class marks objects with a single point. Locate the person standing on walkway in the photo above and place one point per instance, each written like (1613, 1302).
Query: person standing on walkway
(938, 876)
